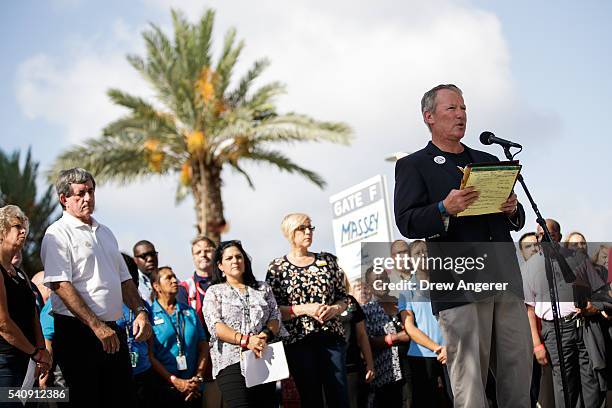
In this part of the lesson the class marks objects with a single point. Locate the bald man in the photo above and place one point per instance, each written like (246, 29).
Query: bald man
(582, 381)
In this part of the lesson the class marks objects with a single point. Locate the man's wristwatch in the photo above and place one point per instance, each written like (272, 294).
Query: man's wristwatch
(141, 309)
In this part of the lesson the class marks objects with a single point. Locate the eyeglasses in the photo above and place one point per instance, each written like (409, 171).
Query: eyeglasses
(144, 256)
(303, 228)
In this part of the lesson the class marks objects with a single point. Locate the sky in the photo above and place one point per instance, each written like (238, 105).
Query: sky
(533, 72)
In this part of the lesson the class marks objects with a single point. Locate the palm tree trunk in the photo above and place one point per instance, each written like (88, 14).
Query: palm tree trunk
(206, 188)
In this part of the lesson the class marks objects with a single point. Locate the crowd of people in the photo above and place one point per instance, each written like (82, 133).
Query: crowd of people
(118, 328)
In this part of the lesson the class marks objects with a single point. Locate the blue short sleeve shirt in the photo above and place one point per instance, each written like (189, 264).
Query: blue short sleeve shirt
(165, 346)
(47, 322)
(140, 347)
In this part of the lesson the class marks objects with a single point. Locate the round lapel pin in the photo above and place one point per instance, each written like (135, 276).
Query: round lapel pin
(440, 159)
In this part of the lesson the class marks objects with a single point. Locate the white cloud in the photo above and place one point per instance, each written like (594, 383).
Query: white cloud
(365, 64)
(70, 90)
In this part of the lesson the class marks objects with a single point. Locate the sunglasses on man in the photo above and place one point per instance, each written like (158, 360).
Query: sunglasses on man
(152, 254)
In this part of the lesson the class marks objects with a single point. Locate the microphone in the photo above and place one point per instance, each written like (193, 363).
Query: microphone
(488, 138)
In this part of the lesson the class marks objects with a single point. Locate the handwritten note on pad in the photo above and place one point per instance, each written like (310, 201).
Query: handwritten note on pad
(494, 182)
(272, 366)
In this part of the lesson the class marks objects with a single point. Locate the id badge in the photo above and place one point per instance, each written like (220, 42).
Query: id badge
(181, 362)
(134, 358)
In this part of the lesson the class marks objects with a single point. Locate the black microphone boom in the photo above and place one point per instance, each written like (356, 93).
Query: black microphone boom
(488, 138)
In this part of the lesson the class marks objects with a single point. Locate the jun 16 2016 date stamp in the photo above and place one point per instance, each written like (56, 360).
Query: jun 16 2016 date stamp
(8, 394)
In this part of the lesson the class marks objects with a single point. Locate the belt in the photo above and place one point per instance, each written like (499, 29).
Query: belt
(570, 317)
(72, 319)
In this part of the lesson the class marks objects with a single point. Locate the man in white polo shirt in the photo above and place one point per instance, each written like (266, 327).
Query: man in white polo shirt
(90, 282)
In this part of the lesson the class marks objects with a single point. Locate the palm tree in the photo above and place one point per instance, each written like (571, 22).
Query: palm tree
(200, 124)
(18, 187)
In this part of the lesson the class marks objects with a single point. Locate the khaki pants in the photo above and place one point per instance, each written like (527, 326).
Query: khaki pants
(493, 332)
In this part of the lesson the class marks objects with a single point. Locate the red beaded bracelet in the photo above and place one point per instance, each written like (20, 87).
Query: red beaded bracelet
(389, 340)
(244, 341)
(539, 347)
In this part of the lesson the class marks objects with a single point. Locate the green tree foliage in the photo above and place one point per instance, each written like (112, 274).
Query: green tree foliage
(199, 124)
(18, 187)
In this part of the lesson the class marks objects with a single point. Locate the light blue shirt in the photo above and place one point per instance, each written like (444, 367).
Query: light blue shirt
(142, 363)
(165, 347)
(47, 323)
(419, 304)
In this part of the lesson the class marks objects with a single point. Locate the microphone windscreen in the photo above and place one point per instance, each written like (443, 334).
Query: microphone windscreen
(485, 137)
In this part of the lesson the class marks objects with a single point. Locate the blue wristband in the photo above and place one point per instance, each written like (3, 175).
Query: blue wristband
(442, 209)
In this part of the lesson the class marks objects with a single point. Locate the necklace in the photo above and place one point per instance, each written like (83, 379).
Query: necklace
(246, 306)
(239, 286)
(11, 272)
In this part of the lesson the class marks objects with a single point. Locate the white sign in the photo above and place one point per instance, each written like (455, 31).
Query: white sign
(360, 214)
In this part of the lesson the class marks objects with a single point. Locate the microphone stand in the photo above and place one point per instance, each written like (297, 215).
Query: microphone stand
(551, 250)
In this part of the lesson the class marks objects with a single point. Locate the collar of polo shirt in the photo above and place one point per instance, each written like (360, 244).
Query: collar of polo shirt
(75, 222)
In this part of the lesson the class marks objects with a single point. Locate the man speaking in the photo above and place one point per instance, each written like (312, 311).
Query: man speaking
(493, 330)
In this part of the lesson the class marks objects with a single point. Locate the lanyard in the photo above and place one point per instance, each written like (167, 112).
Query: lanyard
(245, 306)
(181, 329)
(197, 285)
(128, 331)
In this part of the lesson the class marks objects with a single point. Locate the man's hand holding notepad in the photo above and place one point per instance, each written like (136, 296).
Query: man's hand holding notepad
(494, 183)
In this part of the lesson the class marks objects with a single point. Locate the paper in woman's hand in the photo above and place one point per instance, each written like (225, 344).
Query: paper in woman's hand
(272, 366)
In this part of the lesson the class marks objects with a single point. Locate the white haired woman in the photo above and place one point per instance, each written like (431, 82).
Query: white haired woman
(309, 290)
(21, 337)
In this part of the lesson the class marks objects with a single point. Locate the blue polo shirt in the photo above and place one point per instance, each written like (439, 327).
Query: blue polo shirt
(47, 322)
(165, 347)
(143, 363)
(419, 304)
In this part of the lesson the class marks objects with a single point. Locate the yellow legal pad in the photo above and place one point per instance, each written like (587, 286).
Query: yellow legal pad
(494, 181)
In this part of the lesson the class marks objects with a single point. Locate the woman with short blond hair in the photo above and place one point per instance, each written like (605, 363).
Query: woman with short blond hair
(309, 289)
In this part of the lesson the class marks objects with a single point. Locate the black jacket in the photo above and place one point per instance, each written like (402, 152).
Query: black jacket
(420, 183)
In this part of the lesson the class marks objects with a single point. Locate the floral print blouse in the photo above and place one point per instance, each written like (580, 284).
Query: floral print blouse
(225, 304)
(386, 361)
(320, 282)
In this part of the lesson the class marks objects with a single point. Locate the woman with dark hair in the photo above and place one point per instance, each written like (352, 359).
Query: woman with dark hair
(576, 241)
(178, 348)
(241, 314)
(21, 337)
(386, 334)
